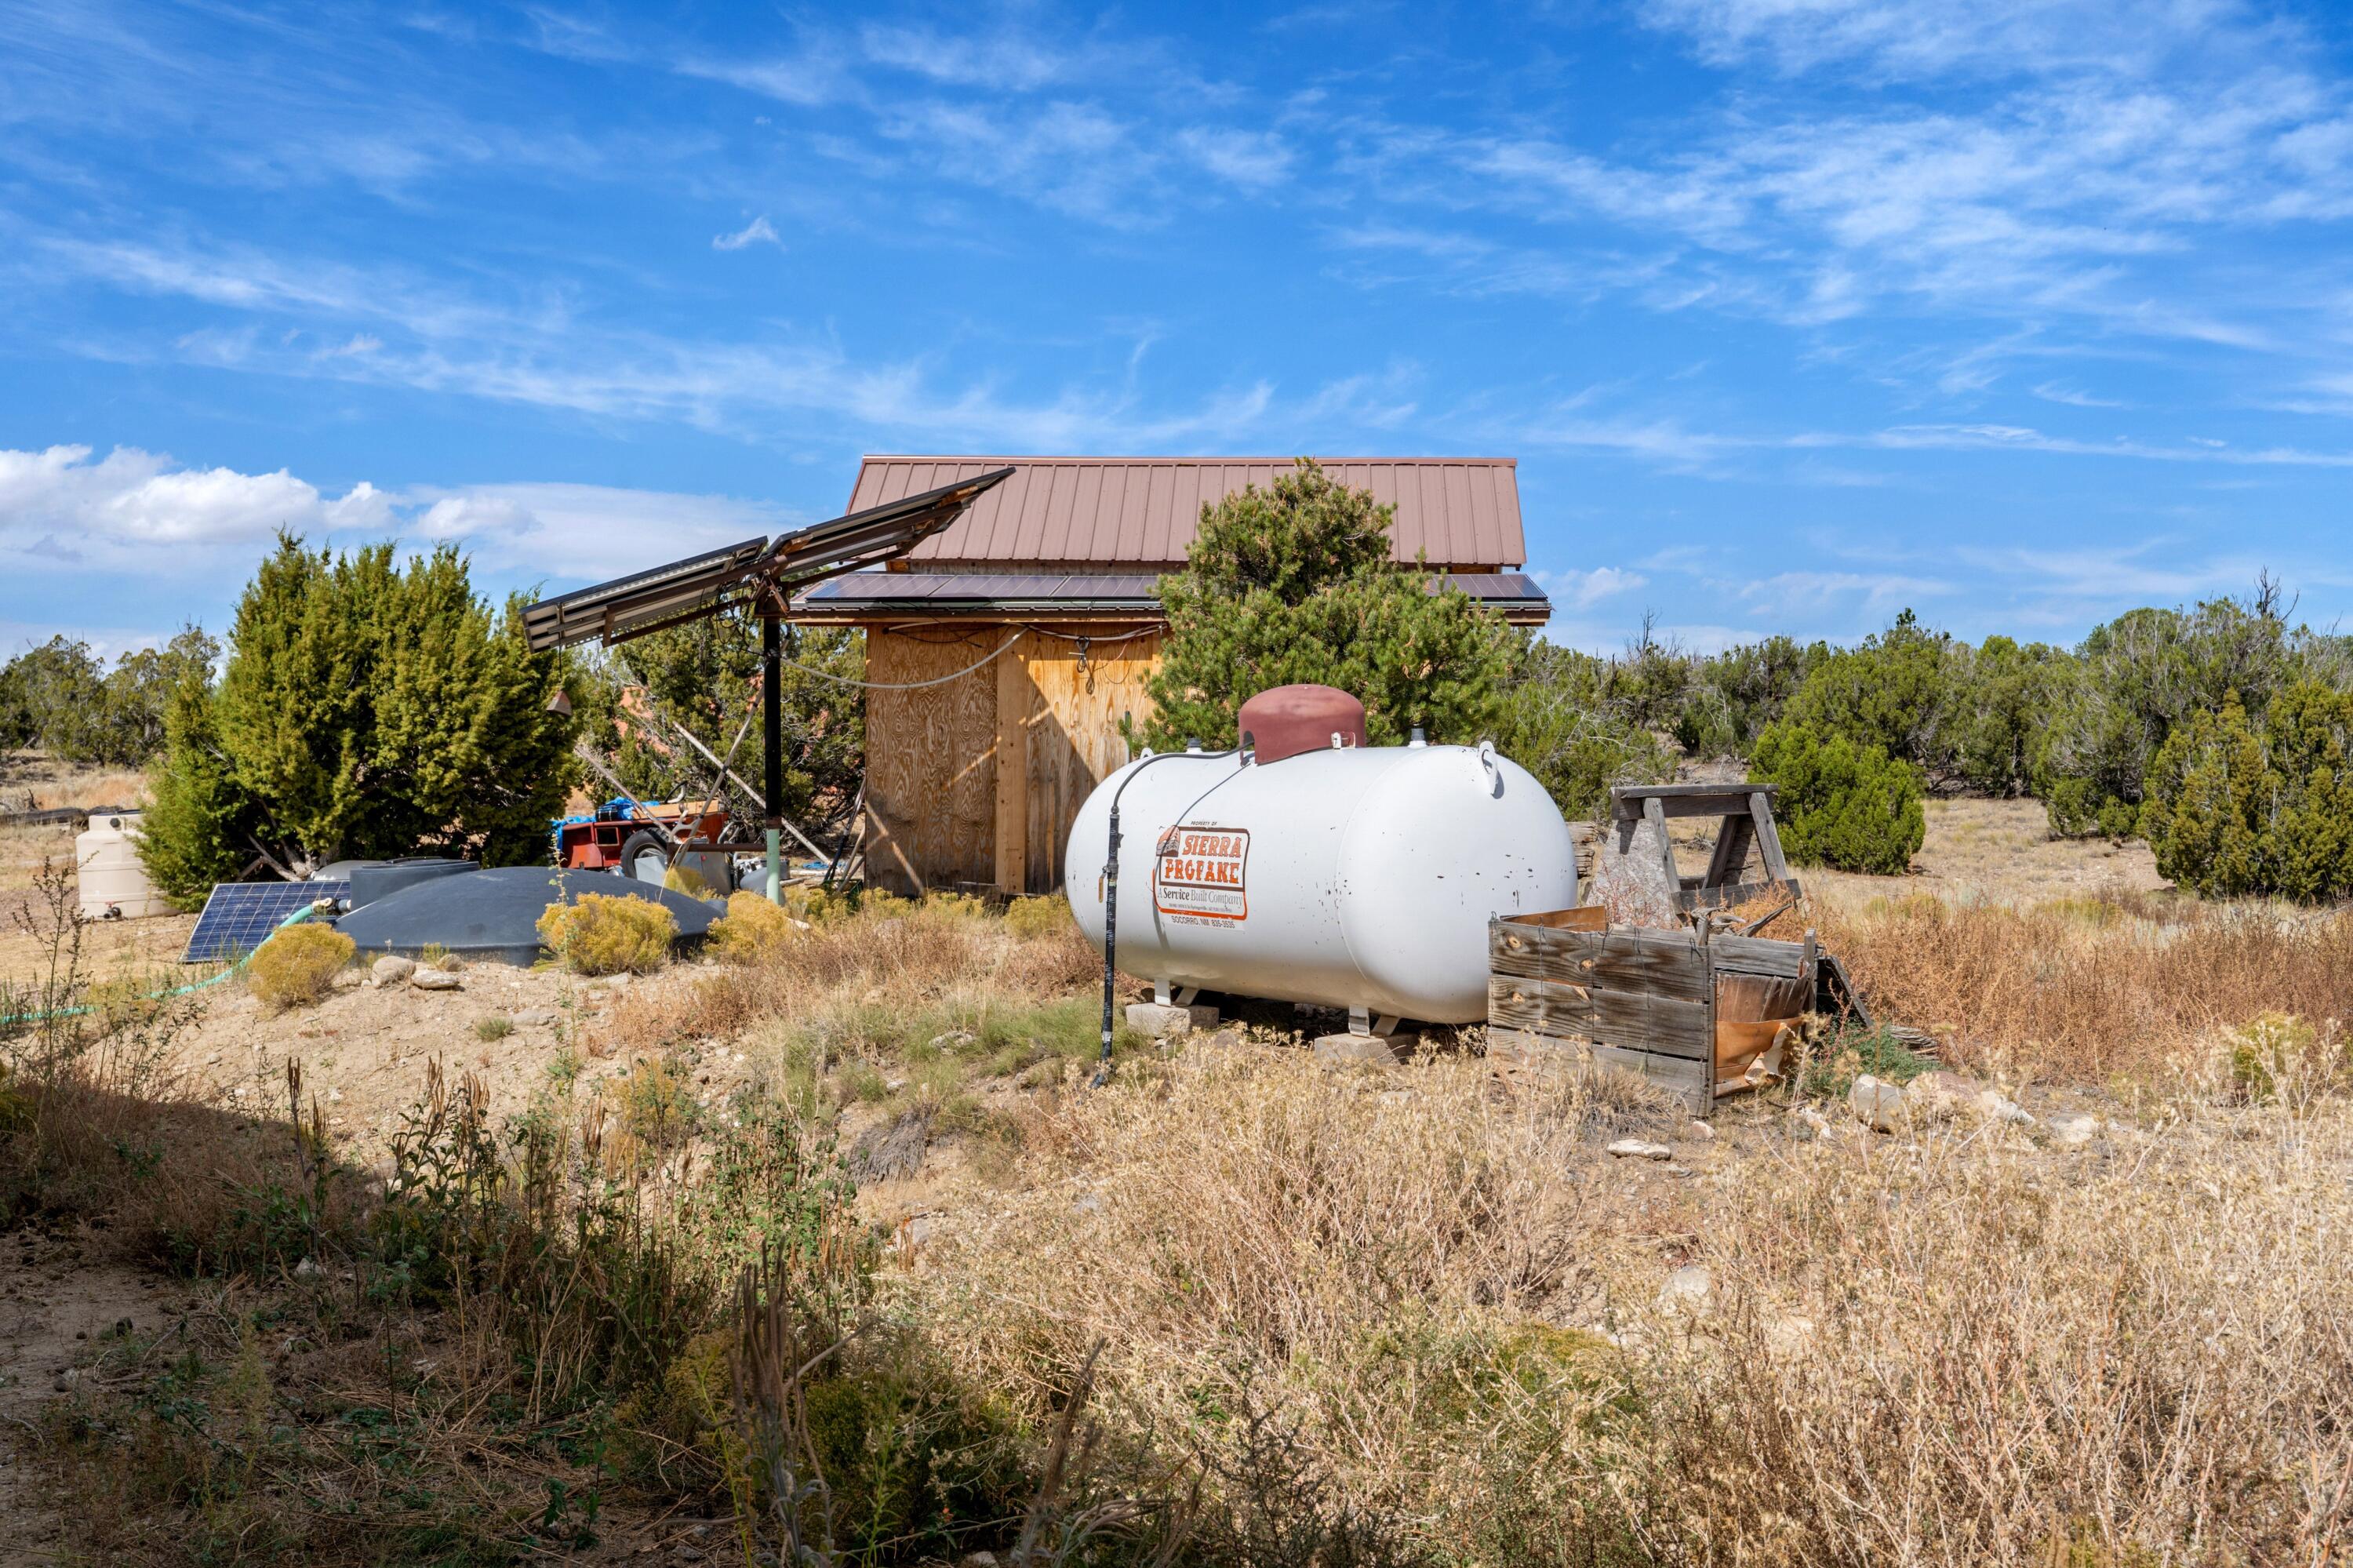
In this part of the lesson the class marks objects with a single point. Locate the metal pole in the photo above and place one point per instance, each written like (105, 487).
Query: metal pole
(771, 748)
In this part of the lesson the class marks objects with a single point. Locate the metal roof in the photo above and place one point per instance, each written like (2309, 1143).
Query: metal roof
(1091, 596)
(720, 579)
(1458, 511)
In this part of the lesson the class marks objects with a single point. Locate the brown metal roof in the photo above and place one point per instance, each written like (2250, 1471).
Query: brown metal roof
(1464, 512)
(883, 597)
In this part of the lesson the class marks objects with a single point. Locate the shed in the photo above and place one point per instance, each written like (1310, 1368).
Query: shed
(1008, 648)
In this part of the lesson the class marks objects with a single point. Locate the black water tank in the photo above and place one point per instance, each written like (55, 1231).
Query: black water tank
(375, 879)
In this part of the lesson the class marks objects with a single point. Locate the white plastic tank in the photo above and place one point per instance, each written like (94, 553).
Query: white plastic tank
(110, 878)
(1353, 877)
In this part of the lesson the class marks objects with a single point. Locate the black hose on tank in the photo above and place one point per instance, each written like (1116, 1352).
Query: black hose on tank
(1111, 895)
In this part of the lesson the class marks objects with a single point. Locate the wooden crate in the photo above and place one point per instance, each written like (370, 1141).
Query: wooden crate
(1567, 986)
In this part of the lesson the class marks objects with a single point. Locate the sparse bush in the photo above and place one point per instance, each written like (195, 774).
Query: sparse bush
(297, 965)
(751, 929)
(607, 934)
(1842, 803)
(2277, 1058)
(498, 1026)
(1031, 919)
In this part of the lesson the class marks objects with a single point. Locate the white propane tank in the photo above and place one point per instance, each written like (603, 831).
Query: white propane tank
(110, 877)
(1356, 876)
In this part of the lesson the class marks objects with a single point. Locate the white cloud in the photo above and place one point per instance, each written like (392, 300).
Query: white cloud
(136, 510)
(582, 532)
(1795, 596)
(759, 231)
(1584, 589)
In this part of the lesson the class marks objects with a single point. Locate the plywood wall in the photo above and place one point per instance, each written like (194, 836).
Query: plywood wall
(978, 780)
(931, 764)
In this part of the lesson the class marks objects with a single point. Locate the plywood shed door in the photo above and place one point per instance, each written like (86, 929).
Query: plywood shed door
(976, 782)
(1074, 737)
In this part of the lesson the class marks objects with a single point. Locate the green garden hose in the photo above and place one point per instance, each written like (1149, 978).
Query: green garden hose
(85, 1009)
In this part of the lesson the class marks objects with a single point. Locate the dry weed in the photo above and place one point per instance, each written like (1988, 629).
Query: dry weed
(297, 965)
(604, 934)
(2055, 991)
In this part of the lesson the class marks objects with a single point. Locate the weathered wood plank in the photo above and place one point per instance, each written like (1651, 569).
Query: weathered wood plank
(1625, 1019)
(1663, 965)
(1727, 897)
(1651, 1024)
(1759, 956)
(1769, 837)
(1693, 1081)
(1629, 802)
(1541, 1006)
(1518, 1050)
(1015, 696)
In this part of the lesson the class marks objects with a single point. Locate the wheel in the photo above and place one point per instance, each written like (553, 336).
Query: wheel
(645, 857)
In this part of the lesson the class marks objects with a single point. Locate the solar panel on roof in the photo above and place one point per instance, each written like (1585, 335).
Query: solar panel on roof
(239, 916)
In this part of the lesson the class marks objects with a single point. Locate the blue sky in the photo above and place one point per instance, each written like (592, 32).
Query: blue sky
(1794, 312)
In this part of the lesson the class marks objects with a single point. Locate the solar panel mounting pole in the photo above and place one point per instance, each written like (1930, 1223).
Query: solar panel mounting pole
(772, 745)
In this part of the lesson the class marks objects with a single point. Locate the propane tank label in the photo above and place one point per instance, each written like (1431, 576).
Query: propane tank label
(1202, 877)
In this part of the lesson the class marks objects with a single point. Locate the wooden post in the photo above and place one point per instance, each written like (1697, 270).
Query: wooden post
(1015, 696)
(1654, 812)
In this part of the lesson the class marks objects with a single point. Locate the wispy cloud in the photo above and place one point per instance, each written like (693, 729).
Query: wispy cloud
(759, 231)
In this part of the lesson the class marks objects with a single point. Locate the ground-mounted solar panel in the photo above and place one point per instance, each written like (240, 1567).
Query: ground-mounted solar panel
(239, 916)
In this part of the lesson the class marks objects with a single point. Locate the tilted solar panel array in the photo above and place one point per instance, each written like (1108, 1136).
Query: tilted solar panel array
(239, 916)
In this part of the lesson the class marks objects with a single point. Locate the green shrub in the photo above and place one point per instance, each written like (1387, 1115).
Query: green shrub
(1842, 803)
(298, 965)
(606, 934)
(751, 929)
(2236, 807)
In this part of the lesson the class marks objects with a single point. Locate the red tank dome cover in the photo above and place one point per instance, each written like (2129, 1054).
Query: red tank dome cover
(1287, 720)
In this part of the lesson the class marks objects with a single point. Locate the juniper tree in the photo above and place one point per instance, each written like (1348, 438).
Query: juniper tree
(367, 710)
(1296, 583)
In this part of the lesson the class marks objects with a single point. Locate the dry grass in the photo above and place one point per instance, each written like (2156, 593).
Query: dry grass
(2088, 989)
(1934, 1350)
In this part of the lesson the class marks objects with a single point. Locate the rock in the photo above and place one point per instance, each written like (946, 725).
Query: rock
(392, 971)
(1940, 1095)
(1635, 1148)
(434, 979)
(1997, 1107)
(1807, 1122)
(535, 1017)
(2071, 1130)
(1878, 1106)
(308, 1269)
(891, 1150)
(1363, 1050)
(921, 1229)
(1165, 1021)
(1687, 1286)
(977, 1560)
(1224, 1039)
(1702, 1132)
